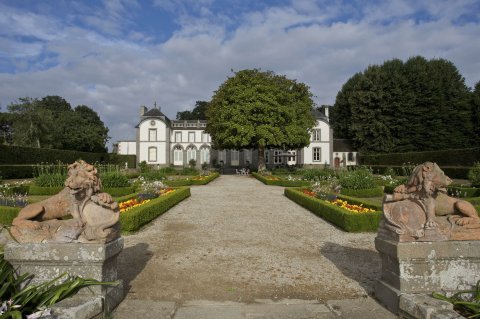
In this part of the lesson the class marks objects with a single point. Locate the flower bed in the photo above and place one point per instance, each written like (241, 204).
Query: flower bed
(134, 218)
(196, 180)
(343, 218)
(276, 181)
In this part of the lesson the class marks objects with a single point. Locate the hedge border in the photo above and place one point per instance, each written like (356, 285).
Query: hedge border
(370, 192)
(281, 182)
(348, 221)
(7, 214)
(361, 201)
(460, 172)
(115, 191)
(189, 182)
(133, 219)
(470, 191)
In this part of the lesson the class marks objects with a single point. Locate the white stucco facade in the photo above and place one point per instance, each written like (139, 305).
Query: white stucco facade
(160, 141)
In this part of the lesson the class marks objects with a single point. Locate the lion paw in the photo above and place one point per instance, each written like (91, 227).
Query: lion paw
(430, 224)
(466, 220)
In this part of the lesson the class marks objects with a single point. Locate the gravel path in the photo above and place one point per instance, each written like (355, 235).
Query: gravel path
(239, 240)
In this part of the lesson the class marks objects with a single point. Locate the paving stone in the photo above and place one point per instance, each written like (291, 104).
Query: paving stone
(144, 309)
(362, 308)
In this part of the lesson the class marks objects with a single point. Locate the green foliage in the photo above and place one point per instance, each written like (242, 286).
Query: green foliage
(168, 170)
(178, 182)
(153, 175)
(50, 180)
(367, 203)
(204, 180)
(189, 171)
(317, 174)
(52, 123)
(119, 191)
(143, 167)
(114, 179)
(16, 171)
(280, 182)
(25, 299)
(466, 302)
(405, 106)
(192, 163)
(39, 190)
(348, 221)
(360, 178)
(474, 174)
(136, 217)
(255, 109)
(7, 214)
(368, 192)
(460, 192)
(198, 112)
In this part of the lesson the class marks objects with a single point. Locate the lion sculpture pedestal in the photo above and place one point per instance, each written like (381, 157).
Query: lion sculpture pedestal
(427, 240)
(77, 232)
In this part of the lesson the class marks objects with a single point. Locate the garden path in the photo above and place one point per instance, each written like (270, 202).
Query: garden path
(237, 240)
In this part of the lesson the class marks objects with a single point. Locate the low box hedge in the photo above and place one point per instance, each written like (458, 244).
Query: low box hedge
(370, 192)
(119, 191)
(16, 171)
(463, 191)
(189, 182)
(136, 217)
(280, 182)
(7, 214)
(115, 192)
(348, 221)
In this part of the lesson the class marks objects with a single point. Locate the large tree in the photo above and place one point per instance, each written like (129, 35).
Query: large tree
(476, 112)
(261, 110)
(412, 106)
(51, 122)
(199, 112)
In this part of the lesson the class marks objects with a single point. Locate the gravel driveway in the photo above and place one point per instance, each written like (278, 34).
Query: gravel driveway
(239, 240)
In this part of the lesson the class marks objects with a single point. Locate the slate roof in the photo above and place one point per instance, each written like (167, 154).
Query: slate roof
(343, 145)
(154, 113)
(319, 115)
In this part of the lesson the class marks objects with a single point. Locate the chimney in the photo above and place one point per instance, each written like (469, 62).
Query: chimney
(326, 111)
(143, 110)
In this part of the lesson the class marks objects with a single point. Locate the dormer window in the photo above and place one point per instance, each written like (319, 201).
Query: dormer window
(316, 135)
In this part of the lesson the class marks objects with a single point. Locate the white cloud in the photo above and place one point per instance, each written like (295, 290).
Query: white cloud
(306, 42)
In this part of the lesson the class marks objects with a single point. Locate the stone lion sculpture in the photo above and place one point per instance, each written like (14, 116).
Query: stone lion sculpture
(95, 217)
(422, 210)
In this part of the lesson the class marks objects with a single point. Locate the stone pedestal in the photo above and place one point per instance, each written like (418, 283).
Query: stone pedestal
(95, 261)
(424, 267)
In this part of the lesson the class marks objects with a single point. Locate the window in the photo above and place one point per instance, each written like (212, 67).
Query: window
(234, 161)
(350, 157)
(204, 155)
(204, 137)
(152, 134)
(152, 154)
(316, 135)
(277, 159)
(178, 137)
(221, 156)
(177, 156)
(317, 154)
(191, 154)
(247, 156)
(191, 137)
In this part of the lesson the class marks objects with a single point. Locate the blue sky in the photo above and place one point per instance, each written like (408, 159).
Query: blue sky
(115, 55)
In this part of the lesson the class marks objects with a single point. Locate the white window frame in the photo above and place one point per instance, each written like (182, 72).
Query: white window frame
(317, 154)
(152, 157)
(204, 155)
(191, 154)
(316, 135)
(178, 137)
(247, 156)
(154, 137)
(222, 156)
(277, 159)
(189, 139)
(177, 156)
(204, 137)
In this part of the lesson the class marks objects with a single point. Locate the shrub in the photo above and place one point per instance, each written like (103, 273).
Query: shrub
(168, 170)
(474, 174)
(153, 175)
(114, 179)
(360, 178)
(457, 191)
(368, 192)
(136, 217)
(348, 221)
(189, 171)
(143, 167)
(192, 163)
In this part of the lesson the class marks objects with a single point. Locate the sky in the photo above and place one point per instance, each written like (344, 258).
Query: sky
(116, 55)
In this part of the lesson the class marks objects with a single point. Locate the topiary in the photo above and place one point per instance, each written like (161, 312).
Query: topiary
(474, 174)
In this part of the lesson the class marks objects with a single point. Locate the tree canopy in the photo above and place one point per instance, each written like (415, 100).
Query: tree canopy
(51, 122)
(400, 106)
(199, 112)
(255, 109)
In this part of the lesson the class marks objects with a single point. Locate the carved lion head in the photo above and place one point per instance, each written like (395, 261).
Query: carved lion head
(83, 176)
(431, 174)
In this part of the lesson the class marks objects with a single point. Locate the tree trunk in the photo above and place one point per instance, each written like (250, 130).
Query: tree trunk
(261, 158)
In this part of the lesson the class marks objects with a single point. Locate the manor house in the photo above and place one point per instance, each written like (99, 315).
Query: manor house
(164, 142)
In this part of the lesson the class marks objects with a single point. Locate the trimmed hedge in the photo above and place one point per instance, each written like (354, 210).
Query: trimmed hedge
(280, 182)
(114, 191)
(348, 221)
(450, 171)
(370, 192)
(464, 191)
(457, 157)
(16, 171)
(7, 214)
(136, 217)
(189, 182)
